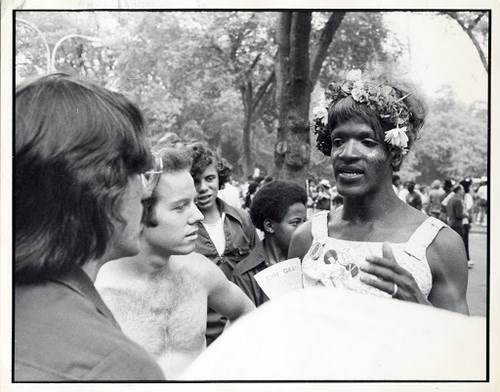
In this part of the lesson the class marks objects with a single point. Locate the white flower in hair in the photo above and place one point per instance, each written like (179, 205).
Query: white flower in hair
(321, 112)
(397, 137)
(353, 75)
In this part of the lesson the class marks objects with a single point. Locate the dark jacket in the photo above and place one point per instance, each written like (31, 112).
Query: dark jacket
(455, 210)
(243, 274)
(241, 237)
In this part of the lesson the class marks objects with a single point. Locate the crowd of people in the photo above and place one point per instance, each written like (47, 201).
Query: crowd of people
(130, 259)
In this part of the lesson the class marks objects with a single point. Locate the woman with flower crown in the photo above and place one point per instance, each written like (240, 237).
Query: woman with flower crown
(376, 243)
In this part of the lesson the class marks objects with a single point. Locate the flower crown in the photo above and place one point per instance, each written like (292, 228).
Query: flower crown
(387, 101)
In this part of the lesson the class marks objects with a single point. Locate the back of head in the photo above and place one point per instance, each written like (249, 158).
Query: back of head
(466, 183)
(273, 200)
(76, 146)
(447, 185)
(410, 186)
(436, 184)
(252, 187)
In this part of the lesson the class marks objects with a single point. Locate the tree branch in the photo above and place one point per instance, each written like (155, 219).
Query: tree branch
(254, 63)
(482, 56)
(262, 90)
(476, 21)
(265, 98)
(321, 49)
(284, 24)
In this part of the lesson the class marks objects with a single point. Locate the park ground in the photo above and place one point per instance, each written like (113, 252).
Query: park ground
(476, 292)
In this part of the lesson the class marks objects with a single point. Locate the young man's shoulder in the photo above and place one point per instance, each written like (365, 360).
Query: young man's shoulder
(194, 264)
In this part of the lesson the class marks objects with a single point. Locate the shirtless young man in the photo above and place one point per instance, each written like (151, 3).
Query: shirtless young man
(160, 296)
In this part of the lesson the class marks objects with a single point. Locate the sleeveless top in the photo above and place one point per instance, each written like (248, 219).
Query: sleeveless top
(334, 262)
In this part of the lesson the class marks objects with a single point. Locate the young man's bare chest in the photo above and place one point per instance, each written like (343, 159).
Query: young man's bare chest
(164, 314)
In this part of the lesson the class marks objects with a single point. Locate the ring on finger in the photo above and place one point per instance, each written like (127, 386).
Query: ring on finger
(395, 290)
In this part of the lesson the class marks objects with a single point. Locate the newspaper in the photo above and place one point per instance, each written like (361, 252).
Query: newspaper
(281, 278)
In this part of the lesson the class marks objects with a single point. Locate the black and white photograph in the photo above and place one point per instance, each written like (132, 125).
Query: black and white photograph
(248, 196)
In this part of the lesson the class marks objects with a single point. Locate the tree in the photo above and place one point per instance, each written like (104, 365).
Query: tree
(453, 142)
(241, 44)
(475, 24)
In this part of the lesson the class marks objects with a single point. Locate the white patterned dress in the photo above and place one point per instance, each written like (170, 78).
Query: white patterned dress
(335, 262)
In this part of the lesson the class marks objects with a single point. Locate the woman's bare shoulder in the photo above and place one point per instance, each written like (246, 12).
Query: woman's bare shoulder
(301, 241)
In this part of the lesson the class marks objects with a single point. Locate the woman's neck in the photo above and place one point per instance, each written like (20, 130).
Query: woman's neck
(372, 206)
(274, 253)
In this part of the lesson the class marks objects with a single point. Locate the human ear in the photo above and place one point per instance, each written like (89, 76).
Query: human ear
(269, 226)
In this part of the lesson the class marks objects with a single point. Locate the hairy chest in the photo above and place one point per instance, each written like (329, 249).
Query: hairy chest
(168, 315)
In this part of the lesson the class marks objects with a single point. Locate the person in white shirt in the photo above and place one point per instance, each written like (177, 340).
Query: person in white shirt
(482, 202)
(230, 194)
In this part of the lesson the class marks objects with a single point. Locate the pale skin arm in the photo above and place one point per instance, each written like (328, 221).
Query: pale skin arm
(223, 296)
(448, 262)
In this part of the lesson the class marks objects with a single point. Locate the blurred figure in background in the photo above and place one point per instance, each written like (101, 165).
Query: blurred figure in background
(323, 195)
(253, 187)
(396, 183)
(424, 194)
(482, 203)
(337, 202)
(436, 195)
(413, 198)
(447, 185)
(230, 194)
(467, 220)
(455, 209)
(403, 192)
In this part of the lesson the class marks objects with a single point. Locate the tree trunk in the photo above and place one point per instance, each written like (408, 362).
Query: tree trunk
(252, 103)
(292, 151)
(246, 98)
(247, 148)
(295, 79)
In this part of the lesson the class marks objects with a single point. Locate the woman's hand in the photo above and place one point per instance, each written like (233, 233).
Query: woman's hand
(393, 279)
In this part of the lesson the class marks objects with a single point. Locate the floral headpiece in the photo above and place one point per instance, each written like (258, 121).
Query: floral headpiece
(387, 101)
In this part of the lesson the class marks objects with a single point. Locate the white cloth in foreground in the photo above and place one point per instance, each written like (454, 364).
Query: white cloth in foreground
(325, 334)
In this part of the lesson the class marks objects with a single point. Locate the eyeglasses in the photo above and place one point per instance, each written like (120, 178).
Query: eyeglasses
(151, 178)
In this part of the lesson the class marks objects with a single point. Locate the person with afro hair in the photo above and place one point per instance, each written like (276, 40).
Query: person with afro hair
(277, 209)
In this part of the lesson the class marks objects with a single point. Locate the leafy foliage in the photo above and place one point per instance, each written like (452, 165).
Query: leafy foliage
(196, 74)
(453, 142)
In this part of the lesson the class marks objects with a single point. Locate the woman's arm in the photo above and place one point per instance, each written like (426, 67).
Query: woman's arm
(448, 262)
(446, 257)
